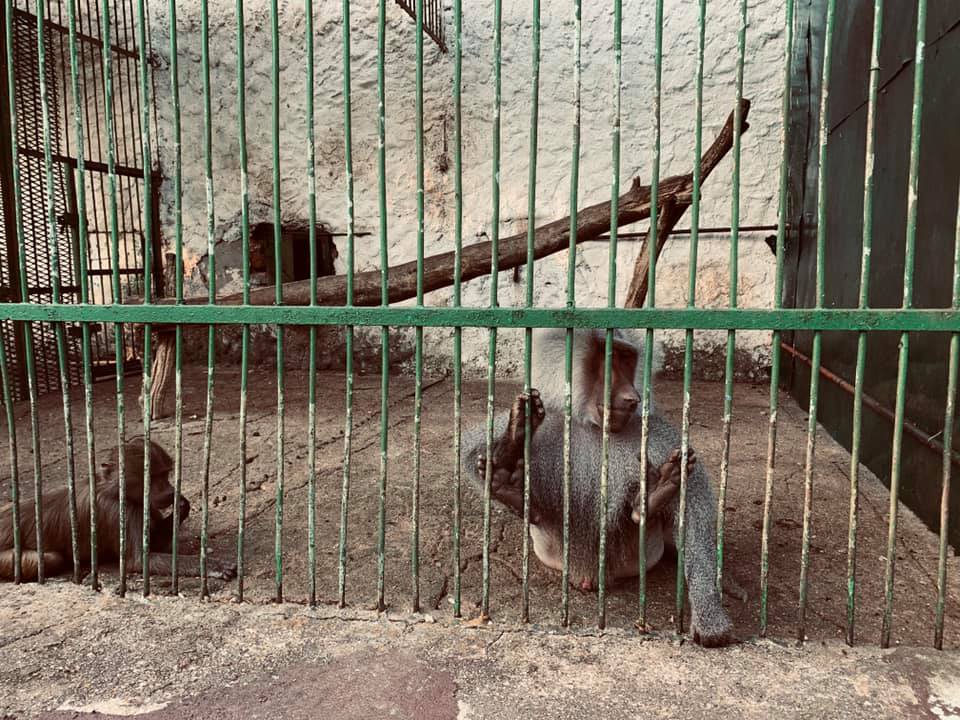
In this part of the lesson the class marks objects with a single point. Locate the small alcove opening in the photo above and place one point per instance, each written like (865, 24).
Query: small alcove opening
(294, 251)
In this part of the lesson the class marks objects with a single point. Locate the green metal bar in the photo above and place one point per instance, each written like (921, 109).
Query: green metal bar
(146, 104)
(611, 303)
(528, 332)
(691, 302)
(84, 281)
(115, 292)
(178, 271)
(54, 249)
(457, 332)
(348, 423)
(912, 320)
(734, 286)
(384, 297)
(245, 339)
(22, 263)
(571, 303)
(14, 465)
(312, 371)
(866, 245)
(278, 299)
(948, 417)
(211, 295)
(418, 342)
(494, 272)
(822, 197)
(778, 309)
(908, 263)
(646, 393)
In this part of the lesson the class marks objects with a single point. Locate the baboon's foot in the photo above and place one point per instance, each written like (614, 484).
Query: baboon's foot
(663, 483)
(507, 477)
(509, 448)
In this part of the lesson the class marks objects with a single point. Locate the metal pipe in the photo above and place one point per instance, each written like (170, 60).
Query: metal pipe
(908, 427)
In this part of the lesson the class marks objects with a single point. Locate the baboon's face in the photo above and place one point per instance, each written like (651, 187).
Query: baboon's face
(624, 397)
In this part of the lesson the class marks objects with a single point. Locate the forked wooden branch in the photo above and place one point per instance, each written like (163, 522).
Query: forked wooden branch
(592, 222)
(674, 195)
(669, 214)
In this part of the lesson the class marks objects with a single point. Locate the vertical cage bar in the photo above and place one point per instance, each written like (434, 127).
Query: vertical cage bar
(948, 417)
(148, 282)
(418, 342)
(866, 246)
(348, 422)
(55, 286)
(178, 283)
(691, 302)
(211, 293)
(14, 466)
(815, 358)
(777, 304)
(734, 289)
(29, 360)
(611, 303)
(312, 369)
(494, 271)
(278, 298)
(903, 359)
(118, 339)
(457, 331)
(84, 282)
(528, 332)
(384, 297)
(571, 302)
(646, 394)
(245, 339)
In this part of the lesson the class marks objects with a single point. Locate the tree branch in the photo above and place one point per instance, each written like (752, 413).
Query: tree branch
(438, 270)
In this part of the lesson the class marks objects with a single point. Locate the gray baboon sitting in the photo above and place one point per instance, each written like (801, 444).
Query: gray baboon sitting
(710, 624)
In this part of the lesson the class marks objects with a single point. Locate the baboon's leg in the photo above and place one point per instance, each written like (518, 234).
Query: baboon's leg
(54, 564)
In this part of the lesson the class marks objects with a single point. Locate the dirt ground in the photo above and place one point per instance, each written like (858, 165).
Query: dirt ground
(917, 549)
(68, 653)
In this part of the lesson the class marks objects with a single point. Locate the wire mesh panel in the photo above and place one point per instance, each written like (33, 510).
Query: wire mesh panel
(35, 232)
(91, 103)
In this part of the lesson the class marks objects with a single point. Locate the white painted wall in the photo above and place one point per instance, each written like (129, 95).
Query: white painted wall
(760, 147)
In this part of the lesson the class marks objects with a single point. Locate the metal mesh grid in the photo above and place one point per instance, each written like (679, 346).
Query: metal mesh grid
(35, 230)
(432, 19)
(126, 117)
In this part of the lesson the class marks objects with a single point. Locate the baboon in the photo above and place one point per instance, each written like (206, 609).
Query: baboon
(57, 552)
(710, 624)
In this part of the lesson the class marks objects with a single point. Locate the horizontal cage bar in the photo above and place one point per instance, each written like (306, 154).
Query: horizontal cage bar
(837, 319)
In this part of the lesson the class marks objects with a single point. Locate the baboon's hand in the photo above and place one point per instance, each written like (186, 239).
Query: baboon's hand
(663, 482)
(506, 486)
(509, 491)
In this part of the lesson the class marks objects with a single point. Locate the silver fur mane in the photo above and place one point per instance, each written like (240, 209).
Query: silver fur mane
(549, 347)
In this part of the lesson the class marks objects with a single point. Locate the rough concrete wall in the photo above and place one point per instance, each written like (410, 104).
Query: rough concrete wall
(760, 146)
